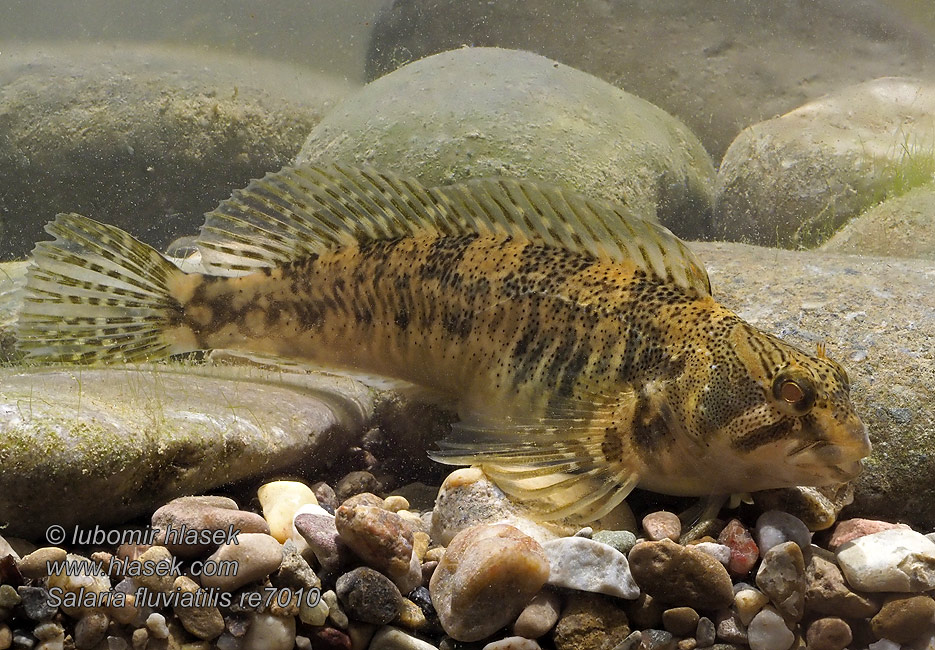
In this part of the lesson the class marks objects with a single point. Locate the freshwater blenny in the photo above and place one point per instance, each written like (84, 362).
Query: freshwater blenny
(580, 345)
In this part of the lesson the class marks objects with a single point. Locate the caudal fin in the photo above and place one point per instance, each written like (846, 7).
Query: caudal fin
(97, 295)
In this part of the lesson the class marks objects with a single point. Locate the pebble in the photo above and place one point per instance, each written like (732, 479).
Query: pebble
(775, 527)
(161, 578)
(583, 564)
(6, 636)
(730, 628)
(256, 556)
(360, 635)
(395, 503)
(365, 499)
(316, 614)
(828, 634)
(316, 526)
(781, 577)
(884, 644)
(369, 596)
(657, 640)
(827, 593)
(680, 621)
(8, 597)
(681, 575)
(748, 602)
(326, 496)
(891, 560)
(391, 638)
(193, 514)
(204, 622)
(719, 552)
(355, 483)
(767, 631)
(512, 643)
(743, 550)
(280, 500)
(267, 632)
(488, 575)
(706, 632)
(851, 529)
(335, 613)
(622, 540)
(382, 540)
(539, 616)
(903, 619)
(91, 630)
(329, 638)
(294, 572)
(156, 624)
(36, 603)
(411, 615)
(590, 621)
(34, 565)
(75, 581)
(662, 525)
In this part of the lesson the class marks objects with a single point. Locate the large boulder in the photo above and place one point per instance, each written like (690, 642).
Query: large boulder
(148, 138)
(477, 112)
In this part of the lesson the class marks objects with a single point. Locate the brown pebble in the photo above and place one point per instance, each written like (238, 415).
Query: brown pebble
(662, 525)
(830, 633)
(34, 565)
(365, 499)
(181, 522)
(687, 644)
(903, 618)
(827, 593)
(203, 622)
(381, 539)
(681, 575)
(680, 621)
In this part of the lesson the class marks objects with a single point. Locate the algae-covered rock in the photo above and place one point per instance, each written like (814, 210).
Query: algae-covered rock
(81, 446)
(718, 65)
(903, 226)
(794, 180)
(877, 318)
(12, 279)
(144, 137)
(478, 112)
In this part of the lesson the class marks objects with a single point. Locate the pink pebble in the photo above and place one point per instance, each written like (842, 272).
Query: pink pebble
(743, 550)
(662, 525)
(851, 529)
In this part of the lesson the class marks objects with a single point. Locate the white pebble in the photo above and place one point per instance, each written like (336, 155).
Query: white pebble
(156, 624)
(268, 632)
(768, 631)
(775, 527)
(512, 643)
(748, 603)
(583, 564)
(280, 500)
(719, 552)
(884, 644)
(892, 560)
(316, 615)
(391, 638)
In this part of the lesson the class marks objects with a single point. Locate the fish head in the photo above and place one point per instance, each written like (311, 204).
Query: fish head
(763, 414)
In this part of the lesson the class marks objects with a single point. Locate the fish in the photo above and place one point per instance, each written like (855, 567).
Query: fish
(579, 344)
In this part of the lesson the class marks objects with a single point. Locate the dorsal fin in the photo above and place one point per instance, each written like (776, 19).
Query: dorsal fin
(302, 210)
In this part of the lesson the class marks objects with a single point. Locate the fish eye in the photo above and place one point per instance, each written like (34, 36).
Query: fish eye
(794, 391)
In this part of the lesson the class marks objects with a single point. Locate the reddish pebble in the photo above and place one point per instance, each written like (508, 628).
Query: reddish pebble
(851, 529)
(328, 638)
(743, 550)
(662, 525)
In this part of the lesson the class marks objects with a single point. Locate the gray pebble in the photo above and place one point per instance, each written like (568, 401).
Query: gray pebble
(775, 527)
(622, 540)
(294, 572)
(705, 633)
(369, 596)
(657, 640)
(91, 629)
(8, 596)
(36, 603)
(539, 616)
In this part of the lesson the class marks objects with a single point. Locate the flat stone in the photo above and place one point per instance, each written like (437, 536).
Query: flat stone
(488, 575)
(851, 529)
(202, 515)
(768, 631)
(706, 632)
(255, 556)
(775, 527)
(539, 616)
(719, 552)
(891, 560)
(280, 500)
(159, 578)
(730, 628)
(903, 619)
(295, 572)
(781, 577)
(586, 565)
(475, 112)
(827, 593)
(149, 137)
(828, 634)
(96, 439)
(681, 575)
(369, 596)
(354, 483)
(590, 621)
(662, 525)
(657, 640)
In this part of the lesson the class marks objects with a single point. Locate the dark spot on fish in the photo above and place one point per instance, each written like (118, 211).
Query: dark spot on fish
(402, 318)
(612, 446)
(650, 430)
(763, 435)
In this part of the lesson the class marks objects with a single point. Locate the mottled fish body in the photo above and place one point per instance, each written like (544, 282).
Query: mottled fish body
(580, 345)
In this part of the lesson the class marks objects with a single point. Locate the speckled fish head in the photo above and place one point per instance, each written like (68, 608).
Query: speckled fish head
(795, 425)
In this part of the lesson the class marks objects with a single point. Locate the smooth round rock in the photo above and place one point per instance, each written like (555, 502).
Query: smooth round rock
(143, 136)
(903, 619)
(202, 515)
(795, 179)
(743, 550)
(586, 565)
(476, 112)
(748, 602)
(891, 560)
(160, 574)
(512, 643)
(680, 575)
(767, 631)
(622, 540)
(828, 634)
(90, 630)
(369, 596)
(850, 529)
(255, 555)
(280, 500)
(383, 540)
(124, 441)
(391, 638)
(35, 565)
(539, 616)
(827, 593)
(662, 525)
(267, 632)
(590, 621)
(781, 577)
(719, 552)
(488, 575)
(775, 527)
(680, 621)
